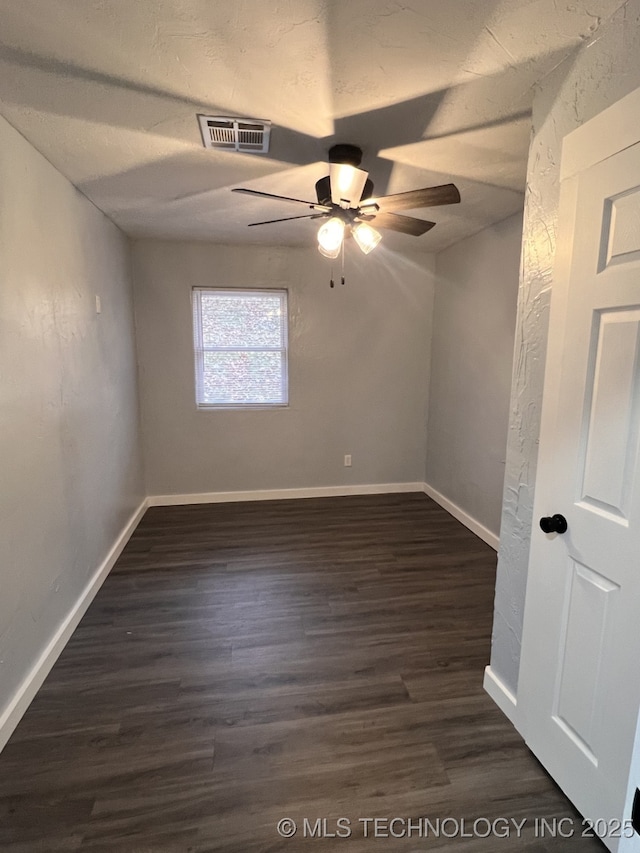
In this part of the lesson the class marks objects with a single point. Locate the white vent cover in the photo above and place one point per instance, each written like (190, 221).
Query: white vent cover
(250, 135)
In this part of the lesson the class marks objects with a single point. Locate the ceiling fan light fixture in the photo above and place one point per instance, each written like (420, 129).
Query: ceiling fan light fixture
(332, 254)
(366, 237)
(347, 184)
(330, 237)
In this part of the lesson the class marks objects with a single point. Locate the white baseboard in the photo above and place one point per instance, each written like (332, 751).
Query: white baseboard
(26, 692)
(283, 494)
(453, 509)
(501, 695)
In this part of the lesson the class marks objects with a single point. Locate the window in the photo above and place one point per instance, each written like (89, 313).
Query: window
(240, 339)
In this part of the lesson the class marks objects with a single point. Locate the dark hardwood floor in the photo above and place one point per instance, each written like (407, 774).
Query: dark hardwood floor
(245, 663)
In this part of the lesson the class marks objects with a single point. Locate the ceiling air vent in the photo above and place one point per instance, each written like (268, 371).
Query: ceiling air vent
(250, 135)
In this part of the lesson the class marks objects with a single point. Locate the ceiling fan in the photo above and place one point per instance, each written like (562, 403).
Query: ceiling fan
(345, 200)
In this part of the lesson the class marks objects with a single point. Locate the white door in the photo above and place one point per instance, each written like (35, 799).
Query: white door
(579, 684)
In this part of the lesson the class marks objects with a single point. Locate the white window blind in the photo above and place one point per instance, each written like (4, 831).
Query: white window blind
(240, 341)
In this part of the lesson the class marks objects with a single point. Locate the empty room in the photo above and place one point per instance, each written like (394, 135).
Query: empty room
(319, 426)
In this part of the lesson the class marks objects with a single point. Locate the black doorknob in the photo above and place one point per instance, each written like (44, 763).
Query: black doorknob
(554, 523)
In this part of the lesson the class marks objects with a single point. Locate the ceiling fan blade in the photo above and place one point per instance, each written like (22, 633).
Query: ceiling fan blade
(289, 218)
(427, 197)
(403, 224)
(310, 204)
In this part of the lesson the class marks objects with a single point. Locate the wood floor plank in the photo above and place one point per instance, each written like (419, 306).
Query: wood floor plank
(308, 659)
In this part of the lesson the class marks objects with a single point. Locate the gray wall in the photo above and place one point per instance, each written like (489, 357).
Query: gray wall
(359, 368)
(69, 451)
(472, 351)
(602, 72)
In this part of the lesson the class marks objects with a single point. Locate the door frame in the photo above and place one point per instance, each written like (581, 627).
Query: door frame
(599, 138)
(613, 130)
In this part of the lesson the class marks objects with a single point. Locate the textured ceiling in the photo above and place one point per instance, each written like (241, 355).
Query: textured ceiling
(432, 90)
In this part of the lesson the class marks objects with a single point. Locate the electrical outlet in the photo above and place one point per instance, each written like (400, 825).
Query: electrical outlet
(347, 460)
(98, 305)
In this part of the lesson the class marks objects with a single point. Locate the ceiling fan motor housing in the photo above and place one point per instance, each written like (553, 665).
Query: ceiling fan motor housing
(350, 155)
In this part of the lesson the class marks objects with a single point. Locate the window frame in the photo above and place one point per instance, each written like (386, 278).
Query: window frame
(199, 349)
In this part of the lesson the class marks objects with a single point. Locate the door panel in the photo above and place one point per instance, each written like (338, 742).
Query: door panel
(612, 413)
(622, 227)
(584, 633)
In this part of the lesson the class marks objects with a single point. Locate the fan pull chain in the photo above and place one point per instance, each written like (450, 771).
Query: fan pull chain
(342, 278)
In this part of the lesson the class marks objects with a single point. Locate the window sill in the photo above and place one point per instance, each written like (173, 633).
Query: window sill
(248, 407)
